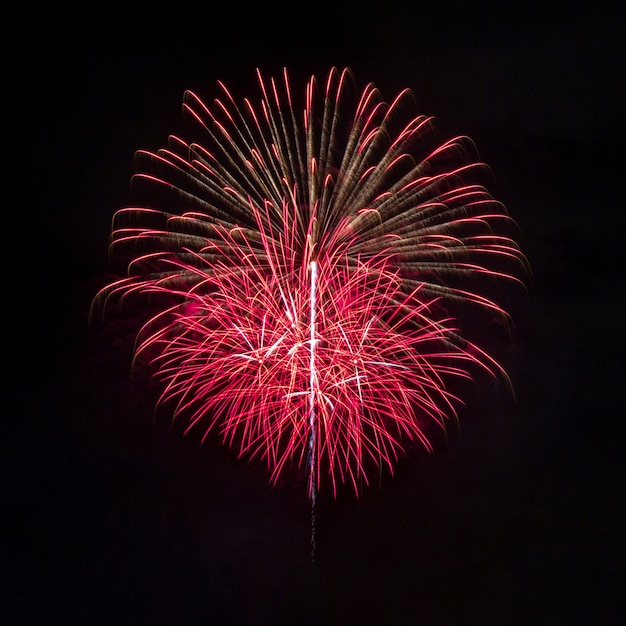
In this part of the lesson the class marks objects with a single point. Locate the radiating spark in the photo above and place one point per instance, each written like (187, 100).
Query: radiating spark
(305, 274)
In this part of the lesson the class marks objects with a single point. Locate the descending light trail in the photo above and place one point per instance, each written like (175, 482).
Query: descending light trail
(312, 392)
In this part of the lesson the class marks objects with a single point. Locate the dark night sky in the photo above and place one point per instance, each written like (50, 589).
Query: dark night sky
(116, 521)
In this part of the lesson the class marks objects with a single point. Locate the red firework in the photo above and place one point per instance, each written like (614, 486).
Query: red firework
(305, 272)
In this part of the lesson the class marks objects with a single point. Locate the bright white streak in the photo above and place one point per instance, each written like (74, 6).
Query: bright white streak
(312, 376)
(312, 416)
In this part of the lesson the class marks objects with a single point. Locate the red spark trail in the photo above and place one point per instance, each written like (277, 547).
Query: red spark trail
(305, 276)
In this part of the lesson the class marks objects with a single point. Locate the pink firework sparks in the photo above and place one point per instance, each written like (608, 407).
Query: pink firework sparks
(305, 271)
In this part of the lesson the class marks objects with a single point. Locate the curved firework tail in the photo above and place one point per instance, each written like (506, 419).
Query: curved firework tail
(305, 269)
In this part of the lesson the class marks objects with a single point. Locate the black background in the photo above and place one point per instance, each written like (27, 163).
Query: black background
(115, 520)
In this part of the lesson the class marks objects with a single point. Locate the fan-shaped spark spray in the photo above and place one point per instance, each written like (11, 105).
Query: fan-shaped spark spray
(306, 270)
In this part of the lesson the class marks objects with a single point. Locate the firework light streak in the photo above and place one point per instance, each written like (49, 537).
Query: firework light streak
(304, 274)
(312, 381)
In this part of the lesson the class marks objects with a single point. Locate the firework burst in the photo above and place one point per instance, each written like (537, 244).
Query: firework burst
(305, 268)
